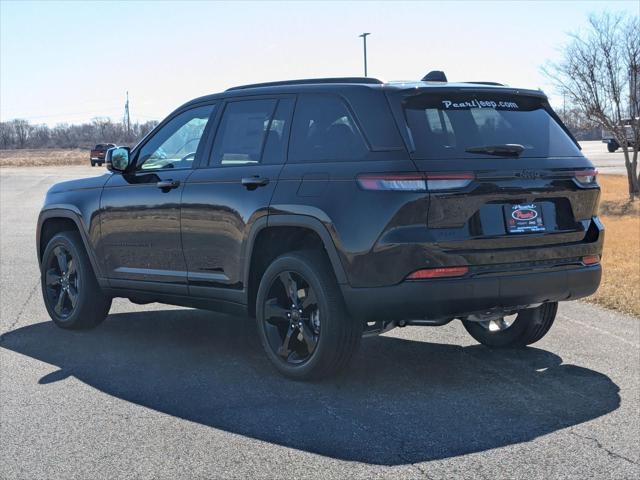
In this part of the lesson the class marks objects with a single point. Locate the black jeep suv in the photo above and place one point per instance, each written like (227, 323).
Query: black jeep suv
(333, 209)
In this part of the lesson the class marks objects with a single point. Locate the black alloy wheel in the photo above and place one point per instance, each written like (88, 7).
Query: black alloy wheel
(70, 289)
(292, 318)
(62, 282)
(303, 325)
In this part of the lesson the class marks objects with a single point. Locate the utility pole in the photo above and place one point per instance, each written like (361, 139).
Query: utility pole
(127, 119)
(364, 40)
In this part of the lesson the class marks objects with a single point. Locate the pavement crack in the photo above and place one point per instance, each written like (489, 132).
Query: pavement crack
(602, 447)
(20, 312)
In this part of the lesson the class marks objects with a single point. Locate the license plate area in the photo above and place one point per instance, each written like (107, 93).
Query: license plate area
(524, 218)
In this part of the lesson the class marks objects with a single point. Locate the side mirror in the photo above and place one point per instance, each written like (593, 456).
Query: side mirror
(118, 159)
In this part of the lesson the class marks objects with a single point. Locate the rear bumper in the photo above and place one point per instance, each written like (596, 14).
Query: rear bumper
(434, 299)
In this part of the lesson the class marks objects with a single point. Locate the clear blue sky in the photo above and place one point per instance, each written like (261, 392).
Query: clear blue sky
(72, 61)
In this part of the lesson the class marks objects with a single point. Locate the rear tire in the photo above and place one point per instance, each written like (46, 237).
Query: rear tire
(529, 326)
(315, 339)
(93, 164)
(70, 290)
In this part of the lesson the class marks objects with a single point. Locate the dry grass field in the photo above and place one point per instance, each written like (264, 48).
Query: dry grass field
(43, 157)
(620, 288)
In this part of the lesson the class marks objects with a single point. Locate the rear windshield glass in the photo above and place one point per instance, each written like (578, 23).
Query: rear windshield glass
(445, 125)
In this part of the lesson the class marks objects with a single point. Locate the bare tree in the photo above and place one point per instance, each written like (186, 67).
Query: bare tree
(7, 135)
(599, 72)
(22, 129)
(21, 134)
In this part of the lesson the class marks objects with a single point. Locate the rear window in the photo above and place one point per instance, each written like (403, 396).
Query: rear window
(445, 125)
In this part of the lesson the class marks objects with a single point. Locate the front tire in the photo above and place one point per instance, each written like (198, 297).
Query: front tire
(302, 322)
(612, 146)
(70, 290)
(529, 326)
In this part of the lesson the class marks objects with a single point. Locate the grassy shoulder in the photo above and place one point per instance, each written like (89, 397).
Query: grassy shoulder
(43, 157)
(621, 256)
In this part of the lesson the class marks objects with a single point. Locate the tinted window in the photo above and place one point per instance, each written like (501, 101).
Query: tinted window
(323, 129)
(241, 135)
(275, 147)
(445, 125)
(176, 143)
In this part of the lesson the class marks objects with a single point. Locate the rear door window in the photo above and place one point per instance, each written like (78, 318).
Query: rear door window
(242, 132)
(444, 125)
(324, 130)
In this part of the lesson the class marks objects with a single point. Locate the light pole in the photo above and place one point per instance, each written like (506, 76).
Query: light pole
(364, 40)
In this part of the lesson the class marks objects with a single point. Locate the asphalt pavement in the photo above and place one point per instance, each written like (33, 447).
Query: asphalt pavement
(166, 392)
(605, 161)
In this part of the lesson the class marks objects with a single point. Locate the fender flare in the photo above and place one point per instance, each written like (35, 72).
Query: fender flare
(72, 213)
(303, 221)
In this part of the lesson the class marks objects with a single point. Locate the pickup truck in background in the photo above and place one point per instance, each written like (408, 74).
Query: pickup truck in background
(98, 152)
(611, 141)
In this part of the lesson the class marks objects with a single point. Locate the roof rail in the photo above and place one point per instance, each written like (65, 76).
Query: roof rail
(311, 81)
(488, 83)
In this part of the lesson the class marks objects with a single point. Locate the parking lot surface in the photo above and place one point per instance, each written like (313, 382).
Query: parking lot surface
(165, 392)
(606, 162)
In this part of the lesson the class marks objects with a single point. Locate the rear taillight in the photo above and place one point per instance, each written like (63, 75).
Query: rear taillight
(410, 182)
(586, 177)
(415, 182)
(440, 272)
(448, 181)
(591, 259)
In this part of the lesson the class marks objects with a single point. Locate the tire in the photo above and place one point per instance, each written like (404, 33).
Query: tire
(91, 305)
(93, 164)
(612, 146)
(529, 326)
(321, 338)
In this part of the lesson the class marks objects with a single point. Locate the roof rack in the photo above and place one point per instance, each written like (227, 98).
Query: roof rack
(311, 81)
(488, 83)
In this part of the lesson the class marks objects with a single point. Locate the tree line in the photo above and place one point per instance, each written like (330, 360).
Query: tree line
(20, 133)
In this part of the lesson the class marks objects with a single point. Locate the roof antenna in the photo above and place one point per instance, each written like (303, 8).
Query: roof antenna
(435, 76)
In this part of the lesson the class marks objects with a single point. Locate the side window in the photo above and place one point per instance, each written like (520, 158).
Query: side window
(323, 129)
(241, 135)
(176, 143)
(275, 148)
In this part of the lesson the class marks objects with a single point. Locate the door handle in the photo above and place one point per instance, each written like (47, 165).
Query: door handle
(168, 184)
(251, 183)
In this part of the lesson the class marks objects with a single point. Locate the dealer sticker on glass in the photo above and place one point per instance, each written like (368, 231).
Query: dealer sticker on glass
(524, 218)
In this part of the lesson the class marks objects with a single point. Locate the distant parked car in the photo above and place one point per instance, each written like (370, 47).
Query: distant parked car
(612, 142)
(98, 152)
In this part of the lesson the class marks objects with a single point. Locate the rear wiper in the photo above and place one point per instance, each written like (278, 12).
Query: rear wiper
(502, 150)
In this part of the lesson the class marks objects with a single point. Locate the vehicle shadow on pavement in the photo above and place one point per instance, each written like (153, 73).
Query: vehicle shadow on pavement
(401, 402)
